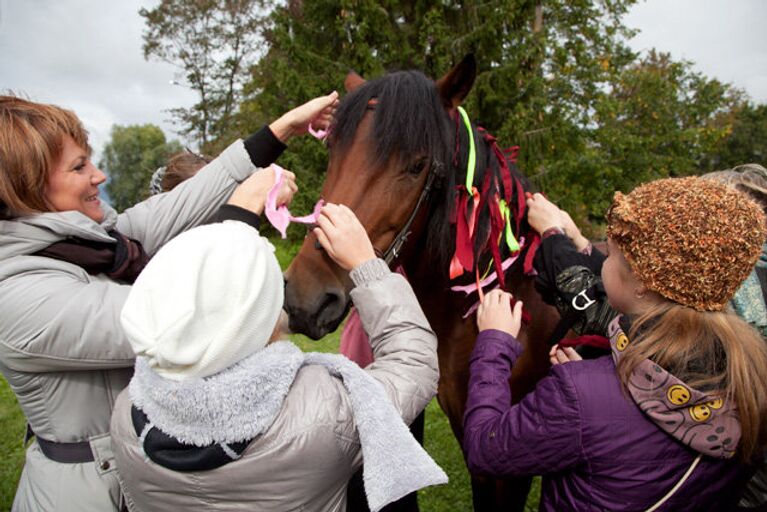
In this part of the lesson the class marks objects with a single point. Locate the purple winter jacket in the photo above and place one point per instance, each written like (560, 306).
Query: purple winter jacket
(593, 445)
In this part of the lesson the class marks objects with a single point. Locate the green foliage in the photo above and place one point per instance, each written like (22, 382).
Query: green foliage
(657, 119)
(130, 158)
(747, 139)
(213, 42)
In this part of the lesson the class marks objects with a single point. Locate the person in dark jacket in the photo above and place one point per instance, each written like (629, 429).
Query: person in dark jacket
(673, 417)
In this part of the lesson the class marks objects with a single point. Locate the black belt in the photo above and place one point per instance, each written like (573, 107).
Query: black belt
(66, 453)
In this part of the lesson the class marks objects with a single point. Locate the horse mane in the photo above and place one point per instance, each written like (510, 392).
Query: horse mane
(411, 122)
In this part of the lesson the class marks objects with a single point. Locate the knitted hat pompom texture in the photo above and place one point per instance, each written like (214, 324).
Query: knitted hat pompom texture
(208, 299)
(692, 240)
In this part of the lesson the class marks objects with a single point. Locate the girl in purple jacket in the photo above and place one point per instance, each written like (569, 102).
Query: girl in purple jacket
(671, 417)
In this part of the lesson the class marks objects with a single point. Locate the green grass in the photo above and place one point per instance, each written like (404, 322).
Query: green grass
(440, 442)
(12, 426)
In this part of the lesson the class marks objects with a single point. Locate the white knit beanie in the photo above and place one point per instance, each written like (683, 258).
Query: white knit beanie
(208, 299)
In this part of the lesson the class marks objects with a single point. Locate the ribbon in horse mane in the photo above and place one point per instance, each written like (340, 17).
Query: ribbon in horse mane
(469, 201)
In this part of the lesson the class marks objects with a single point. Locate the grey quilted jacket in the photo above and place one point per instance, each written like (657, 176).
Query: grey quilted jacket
(305, 458)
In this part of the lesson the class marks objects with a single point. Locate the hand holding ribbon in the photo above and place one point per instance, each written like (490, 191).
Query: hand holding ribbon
(277, 212)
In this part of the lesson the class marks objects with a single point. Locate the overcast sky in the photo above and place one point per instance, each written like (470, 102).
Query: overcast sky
(86, 54)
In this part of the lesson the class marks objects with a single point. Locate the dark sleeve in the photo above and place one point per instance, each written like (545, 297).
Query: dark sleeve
(571, 281)
(232, 212)
(264, 147)
(540, 434)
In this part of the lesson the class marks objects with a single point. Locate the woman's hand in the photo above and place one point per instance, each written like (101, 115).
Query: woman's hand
(343, 237)
(561, 355)
(495, 313)
(542, 214)
(319, 112)
(251, 193)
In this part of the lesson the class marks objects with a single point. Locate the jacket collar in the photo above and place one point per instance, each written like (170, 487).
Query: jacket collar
(29, 234)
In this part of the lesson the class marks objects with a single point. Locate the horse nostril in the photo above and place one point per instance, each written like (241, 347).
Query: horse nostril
(329, 301)
(331, 308)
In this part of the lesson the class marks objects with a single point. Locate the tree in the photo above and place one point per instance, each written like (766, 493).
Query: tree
(747, 139)
(130, 158)
(657, 119)
(213, 42)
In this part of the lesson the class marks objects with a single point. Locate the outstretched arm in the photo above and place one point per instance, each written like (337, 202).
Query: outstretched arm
(540, 434)
(404, 345)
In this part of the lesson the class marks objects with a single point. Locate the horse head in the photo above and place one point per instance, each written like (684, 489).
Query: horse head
(392, 139)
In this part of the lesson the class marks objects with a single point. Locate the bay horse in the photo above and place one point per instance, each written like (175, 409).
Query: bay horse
(397, 153)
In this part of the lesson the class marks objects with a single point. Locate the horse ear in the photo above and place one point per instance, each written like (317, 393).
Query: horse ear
(456, 84)
(352, 81)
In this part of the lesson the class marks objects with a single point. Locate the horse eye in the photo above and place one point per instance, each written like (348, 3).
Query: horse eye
(417, 166)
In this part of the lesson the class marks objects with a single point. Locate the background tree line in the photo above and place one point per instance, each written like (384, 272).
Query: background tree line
(556, 77)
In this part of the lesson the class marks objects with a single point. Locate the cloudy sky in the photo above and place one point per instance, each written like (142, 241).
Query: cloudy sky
(86, 54)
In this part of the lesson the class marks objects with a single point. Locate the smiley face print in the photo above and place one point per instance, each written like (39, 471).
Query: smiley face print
(700, 412)
(715, 404)
(678, 394)
(621, 342)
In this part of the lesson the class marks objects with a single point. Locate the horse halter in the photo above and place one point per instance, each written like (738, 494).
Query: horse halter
(390, 254)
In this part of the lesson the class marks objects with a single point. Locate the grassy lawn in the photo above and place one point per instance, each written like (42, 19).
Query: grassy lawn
(440, 443)
(12, 425)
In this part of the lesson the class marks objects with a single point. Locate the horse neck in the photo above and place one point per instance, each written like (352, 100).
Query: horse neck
(442, 306)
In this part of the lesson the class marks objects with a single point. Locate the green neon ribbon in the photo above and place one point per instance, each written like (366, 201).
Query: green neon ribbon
(472, 150)
(511, 240)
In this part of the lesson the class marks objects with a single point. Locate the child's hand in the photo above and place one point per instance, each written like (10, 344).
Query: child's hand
(572, 231)
(542, 214)
(495, 313)
(343, 237)
(561, 355)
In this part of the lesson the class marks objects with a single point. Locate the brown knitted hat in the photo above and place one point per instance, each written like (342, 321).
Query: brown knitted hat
(692, 240)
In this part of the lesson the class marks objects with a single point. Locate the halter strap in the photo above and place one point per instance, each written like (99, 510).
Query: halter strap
(390, 254)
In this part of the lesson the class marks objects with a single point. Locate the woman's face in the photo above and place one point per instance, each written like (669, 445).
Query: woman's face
(619, 281)
(73, 182)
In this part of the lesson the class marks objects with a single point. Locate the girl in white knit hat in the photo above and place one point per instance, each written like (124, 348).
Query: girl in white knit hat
(217, 416)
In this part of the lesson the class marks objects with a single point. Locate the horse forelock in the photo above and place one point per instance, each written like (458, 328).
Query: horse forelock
(408, 119)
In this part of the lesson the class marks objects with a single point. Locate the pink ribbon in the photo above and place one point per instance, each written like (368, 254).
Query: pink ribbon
(280, 217)
(317, 134)
(471, 288)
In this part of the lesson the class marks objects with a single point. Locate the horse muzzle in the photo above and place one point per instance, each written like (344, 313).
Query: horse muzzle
(315, 314)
